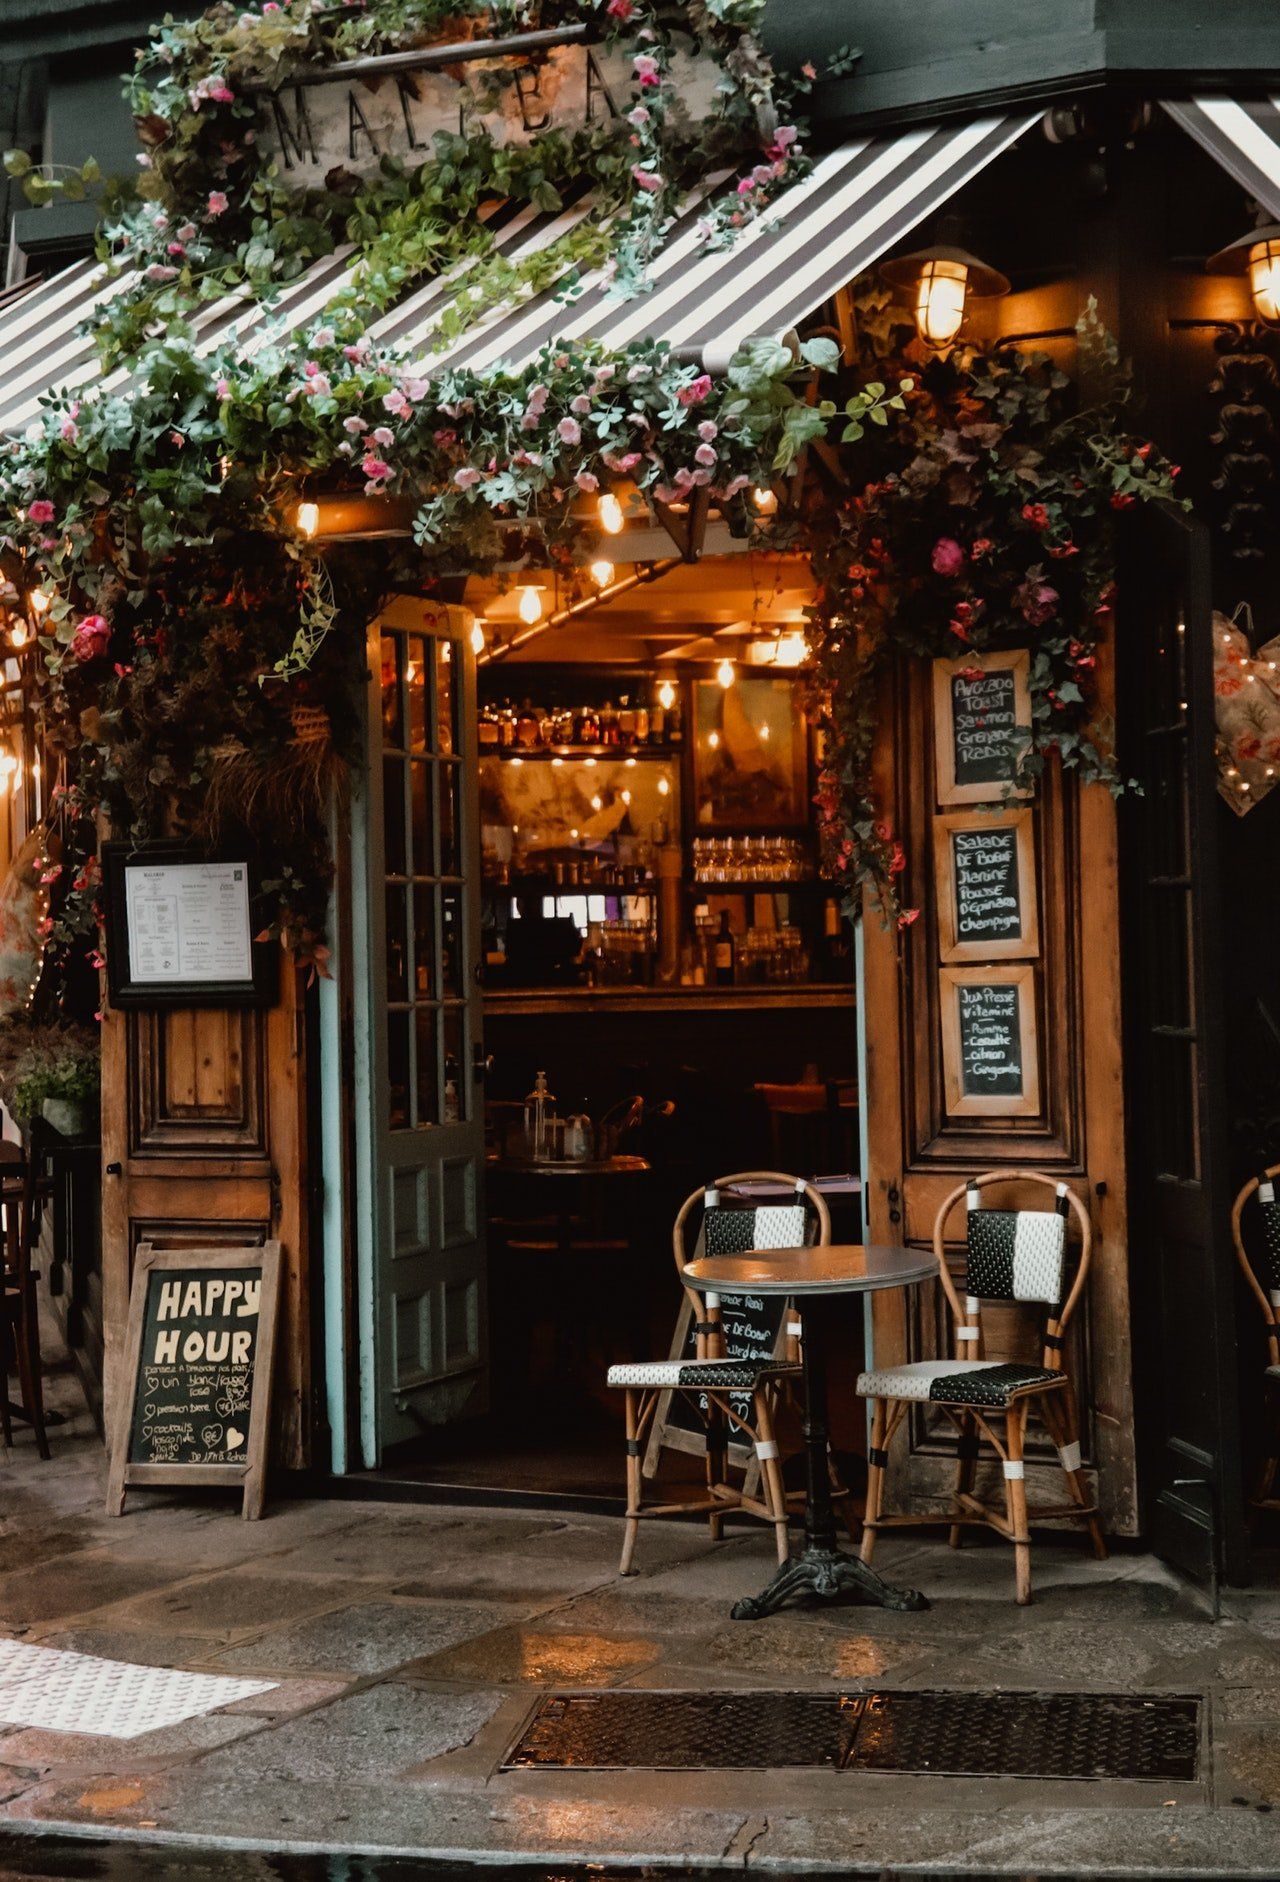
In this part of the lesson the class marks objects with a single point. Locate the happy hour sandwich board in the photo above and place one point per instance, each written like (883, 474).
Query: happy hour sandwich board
(197, 1399)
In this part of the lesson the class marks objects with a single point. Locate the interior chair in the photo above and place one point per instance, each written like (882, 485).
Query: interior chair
(24, 1190)
(1267, 1293)
(1016, 1255)
(734, 1395)
(813, 1122)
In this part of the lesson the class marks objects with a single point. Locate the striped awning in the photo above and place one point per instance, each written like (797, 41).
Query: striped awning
(1241, 135)
(857, 203)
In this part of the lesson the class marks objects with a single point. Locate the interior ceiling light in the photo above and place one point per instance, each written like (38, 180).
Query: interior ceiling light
(726, 673)
(530, 607)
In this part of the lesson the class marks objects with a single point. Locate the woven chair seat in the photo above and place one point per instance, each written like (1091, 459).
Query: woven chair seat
(956, 1381)
(743, 1374)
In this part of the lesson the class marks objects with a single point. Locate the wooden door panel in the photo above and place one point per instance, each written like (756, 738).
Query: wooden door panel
(198, 1081)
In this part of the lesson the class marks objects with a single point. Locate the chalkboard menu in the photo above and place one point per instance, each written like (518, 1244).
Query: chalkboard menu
(200, 1349)
(980, 706)
(989, 1041)
(986, 886)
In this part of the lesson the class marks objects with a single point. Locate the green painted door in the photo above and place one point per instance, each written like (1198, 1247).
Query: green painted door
(416, 860)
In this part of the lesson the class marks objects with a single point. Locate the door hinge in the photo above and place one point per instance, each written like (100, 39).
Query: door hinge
(275, 1193)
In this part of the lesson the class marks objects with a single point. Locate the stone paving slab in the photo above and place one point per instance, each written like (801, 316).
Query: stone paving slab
(368, 1637)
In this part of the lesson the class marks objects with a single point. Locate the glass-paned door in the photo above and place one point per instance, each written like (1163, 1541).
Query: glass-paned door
(420, 886)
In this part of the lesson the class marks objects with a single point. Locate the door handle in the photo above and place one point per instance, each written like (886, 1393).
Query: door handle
(481, 1063)
(114, 1169)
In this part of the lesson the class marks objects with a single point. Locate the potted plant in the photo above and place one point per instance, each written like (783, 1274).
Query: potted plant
(50, 1071)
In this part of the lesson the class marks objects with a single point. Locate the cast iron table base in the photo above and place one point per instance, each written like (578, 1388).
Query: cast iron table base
(822, 1568)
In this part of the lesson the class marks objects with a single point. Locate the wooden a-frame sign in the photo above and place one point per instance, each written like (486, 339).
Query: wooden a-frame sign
(197, 1387)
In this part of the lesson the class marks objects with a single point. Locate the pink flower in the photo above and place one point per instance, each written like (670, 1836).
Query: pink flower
(708, 430)
(396, 403)
(1038, 602)
(696, 391)
(466, 477)
(354, 425)
(620, 10)
(383, 435)
(705, 454)
(645, 67)
(223, 388)
(68, 430)
(41, 511)
(647, 179)
(569, 431)
(92, 638)
(639, 115)
(415, 389)
(375, 469)
(587, 480)
(948, 557)
(160, 271)
(622, 462)
(581, 405)
(175, 248)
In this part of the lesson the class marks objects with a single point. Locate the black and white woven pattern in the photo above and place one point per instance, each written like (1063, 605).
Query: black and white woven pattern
(1016, 1254)
(742, 1373)
(988, 1382)
(730, 1231)
(1271, 1230)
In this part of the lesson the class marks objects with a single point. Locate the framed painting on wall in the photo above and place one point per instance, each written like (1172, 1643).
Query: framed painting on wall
(750, 755)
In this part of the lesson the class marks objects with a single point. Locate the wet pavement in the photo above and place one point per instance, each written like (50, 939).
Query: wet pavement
(410, 1644)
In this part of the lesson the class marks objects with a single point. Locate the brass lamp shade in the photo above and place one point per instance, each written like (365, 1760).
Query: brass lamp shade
(940, 280)
(1256, 254)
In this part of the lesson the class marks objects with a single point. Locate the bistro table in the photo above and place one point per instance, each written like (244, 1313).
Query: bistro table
(821, 1568)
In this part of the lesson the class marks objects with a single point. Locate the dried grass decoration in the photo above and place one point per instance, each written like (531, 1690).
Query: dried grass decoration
(274, 788)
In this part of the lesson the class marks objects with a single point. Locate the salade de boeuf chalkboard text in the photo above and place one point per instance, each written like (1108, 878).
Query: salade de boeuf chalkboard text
(750, 1323)
(986, 879)
(990, 1041)
(195, 1371)
(983, 724)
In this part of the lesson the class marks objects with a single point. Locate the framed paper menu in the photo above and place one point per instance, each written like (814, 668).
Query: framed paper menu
(180, 928)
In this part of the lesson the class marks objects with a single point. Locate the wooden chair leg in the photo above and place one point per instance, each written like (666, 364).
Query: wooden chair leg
(29, 1334)
(1015, 1496)
(875, 1479)
(1067, 1439)
(966, 1467)
(635, 1483)
(775, 1494)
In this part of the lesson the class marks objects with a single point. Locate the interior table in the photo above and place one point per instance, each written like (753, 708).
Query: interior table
(821, 1568)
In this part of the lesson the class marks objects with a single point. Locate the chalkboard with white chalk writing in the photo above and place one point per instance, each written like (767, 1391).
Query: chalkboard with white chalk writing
(990, 1041)
(200, 1348)
(982, 719)
(985, 870)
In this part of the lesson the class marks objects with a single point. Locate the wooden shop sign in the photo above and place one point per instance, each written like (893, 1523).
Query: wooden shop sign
(351, 117)
(199, 1350)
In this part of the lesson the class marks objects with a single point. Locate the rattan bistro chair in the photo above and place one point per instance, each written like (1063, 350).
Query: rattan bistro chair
(1268, 1298)
(1013, 1255)
(733, 1397)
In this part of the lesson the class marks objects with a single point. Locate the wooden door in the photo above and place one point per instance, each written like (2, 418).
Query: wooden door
(924, 1134)
(203, 1141)
(1183, 1261)
(422, 1132)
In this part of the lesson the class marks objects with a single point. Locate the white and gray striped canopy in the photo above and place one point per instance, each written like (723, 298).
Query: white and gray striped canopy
(857, 202)
(1241, 135)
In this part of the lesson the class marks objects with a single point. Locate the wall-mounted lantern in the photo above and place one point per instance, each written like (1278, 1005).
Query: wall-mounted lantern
(940, 282)
(1256, 254)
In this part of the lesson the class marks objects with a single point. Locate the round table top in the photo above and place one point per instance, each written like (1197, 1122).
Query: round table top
(836, 1268)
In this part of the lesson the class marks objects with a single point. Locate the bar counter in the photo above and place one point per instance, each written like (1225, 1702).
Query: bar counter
(637, 999)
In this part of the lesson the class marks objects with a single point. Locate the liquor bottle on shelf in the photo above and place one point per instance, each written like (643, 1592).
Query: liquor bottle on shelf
(642, 724)
(724, 952)
(626, 720)
(657, 720)
(675, 723)
(507, 727)
(586, 726)
(608, 724)
(526, 727)
(539, 1109)
(488, 729)
(835, 936)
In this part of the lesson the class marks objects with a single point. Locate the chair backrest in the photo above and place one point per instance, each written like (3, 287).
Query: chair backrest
(1015, 1255)
(732, 1223)
(1267, 1289)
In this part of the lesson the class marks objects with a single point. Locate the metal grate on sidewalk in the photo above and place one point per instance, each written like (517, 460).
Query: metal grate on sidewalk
(944, 1734)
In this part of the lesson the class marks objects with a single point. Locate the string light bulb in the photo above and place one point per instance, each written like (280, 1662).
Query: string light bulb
(40, 600)
(666, 695)
(726, 673)
(765, 500)
(307, 518)
(609, 511)
(602, 573)
(530, 607)
(477, 637)
(19, 634)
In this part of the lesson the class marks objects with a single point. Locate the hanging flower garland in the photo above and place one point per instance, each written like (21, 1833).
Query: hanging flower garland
(190, 631)
(212, 211)
(983, 519)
